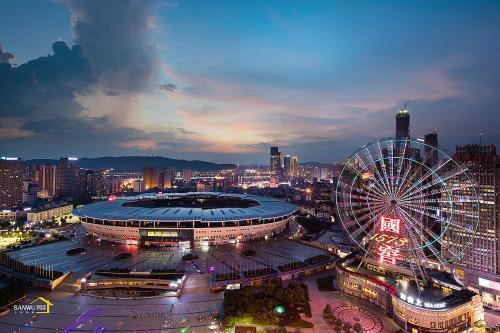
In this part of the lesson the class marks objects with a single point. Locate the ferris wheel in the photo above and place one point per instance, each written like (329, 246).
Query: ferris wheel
(407, 203)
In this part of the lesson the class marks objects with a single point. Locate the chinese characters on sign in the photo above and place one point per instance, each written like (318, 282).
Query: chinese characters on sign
(388, 224)
(389, 240)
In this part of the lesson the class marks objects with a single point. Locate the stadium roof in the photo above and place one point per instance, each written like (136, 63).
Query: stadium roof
(113, 209)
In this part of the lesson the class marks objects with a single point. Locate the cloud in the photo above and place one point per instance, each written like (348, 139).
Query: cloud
(116, 37)
(5, 56)
(167, 87)
(47, 85)
(11, 128)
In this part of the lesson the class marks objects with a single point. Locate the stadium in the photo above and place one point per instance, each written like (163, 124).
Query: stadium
(185, 219)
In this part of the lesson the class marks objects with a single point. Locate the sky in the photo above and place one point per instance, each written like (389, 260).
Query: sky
(223, 81)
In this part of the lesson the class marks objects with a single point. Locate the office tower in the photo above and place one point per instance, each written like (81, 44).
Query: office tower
(275, 162)
(67, 182)
(11, 182)
(431, 155)
(403, 124)
(483, 164)
(45, 176)
(187, 174)
(287, 161)
(294, 164)
(158, 178)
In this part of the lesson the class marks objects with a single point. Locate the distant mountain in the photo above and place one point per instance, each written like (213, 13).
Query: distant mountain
(137, 163)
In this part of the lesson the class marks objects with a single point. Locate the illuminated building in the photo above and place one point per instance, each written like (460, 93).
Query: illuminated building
(205, 186)
(138, 186)
(187, 174)
(186, 218)
(48, 214)
(290, 164)
(294, 163)
(158, 178)
(275, 162)
(403, 124)
(480, 268)
(67, 182)
(481, 160)
(45, 175)
(92, 183)
(11, 182)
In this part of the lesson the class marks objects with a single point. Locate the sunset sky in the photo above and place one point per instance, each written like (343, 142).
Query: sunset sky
(223, 80)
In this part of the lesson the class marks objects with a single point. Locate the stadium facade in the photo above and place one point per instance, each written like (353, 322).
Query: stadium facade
(186, 219)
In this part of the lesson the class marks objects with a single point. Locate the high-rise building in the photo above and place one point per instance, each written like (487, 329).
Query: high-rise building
(275, 161)
(482, 162)
(92, 183)
(403, 124)
(138, 186)
(294, 164)
(287, 161)
(431, 155)
(11, 182)
(187, 174)
(67, 182)
(290, 164)
(158, 178)
(45, 176)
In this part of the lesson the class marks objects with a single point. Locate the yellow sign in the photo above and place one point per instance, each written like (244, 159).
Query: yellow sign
(162, 234)
(43, 306)
(40, 306)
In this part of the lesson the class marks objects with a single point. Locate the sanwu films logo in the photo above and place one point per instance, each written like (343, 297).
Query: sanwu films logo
(38, 306)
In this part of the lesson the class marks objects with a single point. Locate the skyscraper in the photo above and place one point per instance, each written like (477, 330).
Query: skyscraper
(294, 164)
(92, 183)
(482, 162)
(287, 161)
(45, 176)
(11, 182)
(403, 124)
(67, 183)
(187, 174)
(431, 155)
(159, 178)
(275, 162)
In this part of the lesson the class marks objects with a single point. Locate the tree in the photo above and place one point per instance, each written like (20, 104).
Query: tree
(357, 328)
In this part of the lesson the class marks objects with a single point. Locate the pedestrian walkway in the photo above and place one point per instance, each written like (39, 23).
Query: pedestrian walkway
(196, 284)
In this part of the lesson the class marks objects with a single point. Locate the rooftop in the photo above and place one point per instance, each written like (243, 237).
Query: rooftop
(121, 209)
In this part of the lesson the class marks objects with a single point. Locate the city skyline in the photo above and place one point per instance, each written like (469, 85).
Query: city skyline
(224, 82)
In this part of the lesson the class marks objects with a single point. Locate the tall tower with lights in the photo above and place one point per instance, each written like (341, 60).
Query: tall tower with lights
(403, 123)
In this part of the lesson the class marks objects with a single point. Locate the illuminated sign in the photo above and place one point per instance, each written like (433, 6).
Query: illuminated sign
(418, 302)
(489, 284)
(72, 158)
(10, 158)
(387, 254)
(388, 224)
(389, 240)
(162, 234)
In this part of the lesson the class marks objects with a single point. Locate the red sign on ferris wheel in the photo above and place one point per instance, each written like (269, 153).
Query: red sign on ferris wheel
(391, 225)
(388, 253)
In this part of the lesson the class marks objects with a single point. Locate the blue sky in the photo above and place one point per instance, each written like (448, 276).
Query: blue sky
(224, 80)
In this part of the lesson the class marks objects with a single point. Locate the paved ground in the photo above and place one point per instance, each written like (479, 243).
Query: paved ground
(167, 314)
(492, 317)
(90, 314)
(222, 258)
(320, 299)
